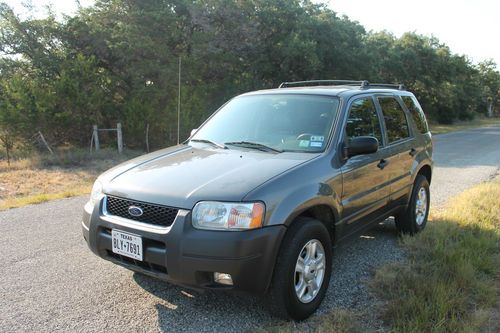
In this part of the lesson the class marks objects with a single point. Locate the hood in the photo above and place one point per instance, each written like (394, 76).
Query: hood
(182, 175)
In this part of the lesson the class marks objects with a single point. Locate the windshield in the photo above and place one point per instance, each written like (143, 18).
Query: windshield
(281, 122)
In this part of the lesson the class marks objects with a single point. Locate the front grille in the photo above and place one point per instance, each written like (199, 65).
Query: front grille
(152, 214)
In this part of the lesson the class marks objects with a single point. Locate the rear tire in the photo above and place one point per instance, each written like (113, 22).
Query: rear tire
(414, 218)
(302, 271)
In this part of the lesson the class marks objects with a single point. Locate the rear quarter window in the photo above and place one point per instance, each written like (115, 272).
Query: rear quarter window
(416, 112)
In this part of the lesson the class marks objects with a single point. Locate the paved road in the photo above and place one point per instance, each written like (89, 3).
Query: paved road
(463, 159)
(49, 280)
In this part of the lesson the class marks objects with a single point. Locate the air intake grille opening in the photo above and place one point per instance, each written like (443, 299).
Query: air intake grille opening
(152, 214)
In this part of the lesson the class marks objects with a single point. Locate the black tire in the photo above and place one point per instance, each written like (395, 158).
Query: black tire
(283, 299)
(406, 221)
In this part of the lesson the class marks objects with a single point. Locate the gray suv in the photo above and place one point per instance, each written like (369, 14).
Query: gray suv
(258, 196)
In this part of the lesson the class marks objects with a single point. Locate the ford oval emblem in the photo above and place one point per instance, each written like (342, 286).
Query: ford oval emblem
(135, 211)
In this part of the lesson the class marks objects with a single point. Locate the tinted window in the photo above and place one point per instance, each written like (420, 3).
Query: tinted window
(363, 120)
(282, 121)
(416, 113)
(395, 119)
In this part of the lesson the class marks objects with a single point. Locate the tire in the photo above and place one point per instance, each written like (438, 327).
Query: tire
(299, 240)
(414, 218)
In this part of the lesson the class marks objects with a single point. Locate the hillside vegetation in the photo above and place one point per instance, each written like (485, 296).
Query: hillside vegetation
(117, 61)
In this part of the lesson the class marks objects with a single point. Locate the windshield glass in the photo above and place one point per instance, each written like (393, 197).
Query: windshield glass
(283, 122)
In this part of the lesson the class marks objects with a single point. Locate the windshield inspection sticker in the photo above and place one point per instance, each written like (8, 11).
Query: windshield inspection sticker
(304, 143)
(316, 144)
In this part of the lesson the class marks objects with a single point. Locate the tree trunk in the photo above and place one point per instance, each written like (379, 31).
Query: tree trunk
(490, 109)
(8, 145)
(7, 149)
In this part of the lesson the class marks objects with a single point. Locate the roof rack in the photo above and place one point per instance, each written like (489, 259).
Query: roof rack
(362, 84)
(399, 86)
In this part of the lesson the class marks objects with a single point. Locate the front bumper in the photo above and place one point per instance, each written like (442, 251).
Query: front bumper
(187, 256)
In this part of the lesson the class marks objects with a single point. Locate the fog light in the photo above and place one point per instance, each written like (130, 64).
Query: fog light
(223, 278)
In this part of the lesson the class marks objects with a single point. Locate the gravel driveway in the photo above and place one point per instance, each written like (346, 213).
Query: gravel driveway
(50, 281)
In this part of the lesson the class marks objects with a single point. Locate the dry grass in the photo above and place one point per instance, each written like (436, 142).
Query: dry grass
(47, 177)
(21, 184)
(462, 125)
(451, 281)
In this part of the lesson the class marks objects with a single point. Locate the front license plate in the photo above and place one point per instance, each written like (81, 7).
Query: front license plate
(128, 245)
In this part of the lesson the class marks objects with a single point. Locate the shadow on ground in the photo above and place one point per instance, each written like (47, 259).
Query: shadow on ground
(212, 311)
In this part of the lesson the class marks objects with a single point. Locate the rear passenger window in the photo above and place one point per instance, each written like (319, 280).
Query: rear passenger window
(416, 113)
(363, 120)
(395, 119)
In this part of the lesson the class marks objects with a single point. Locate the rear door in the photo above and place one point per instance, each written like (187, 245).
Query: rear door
(400, 145)
(365, 178)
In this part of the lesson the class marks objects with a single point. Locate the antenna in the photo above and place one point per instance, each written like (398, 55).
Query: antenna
(179, 103)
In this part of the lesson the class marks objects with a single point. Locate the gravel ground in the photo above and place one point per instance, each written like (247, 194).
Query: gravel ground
(52, 282)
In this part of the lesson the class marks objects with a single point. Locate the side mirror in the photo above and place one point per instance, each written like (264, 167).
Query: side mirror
(193, 131)
(361, 145)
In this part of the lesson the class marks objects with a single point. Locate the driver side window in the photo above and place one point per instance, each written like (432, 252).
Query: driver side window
(363, 120)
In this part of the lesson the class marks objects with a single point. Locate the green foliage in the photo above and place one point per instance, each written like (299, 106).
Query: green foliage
(118, 62)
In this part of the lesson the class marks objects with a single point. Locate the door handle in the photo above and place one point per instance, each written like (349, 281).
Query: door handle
(413, 152)
(382, 164)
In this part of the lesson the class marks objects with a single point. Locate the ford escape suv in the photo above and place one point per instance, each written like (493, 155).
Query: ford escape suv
(261, 192)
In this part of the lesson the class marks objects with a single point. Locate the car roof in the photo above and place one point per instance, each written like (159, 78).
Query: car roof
(345, 91)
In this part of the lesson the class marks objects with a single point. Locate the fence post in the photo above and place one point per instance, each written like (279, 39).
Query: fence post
(96, 138)
(119, 137)
(45, 143)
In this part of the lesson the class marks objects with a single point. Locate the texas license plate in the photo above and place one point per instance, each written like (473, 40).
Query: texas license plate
(128, 245)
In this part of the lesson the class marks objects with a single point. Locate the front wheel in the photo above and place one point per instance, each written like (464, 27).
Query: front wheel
(414, 218)
(302, 271)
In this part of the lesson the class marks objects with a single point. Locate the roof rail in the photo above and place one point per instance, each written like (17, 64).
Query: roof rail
(399, 86)
(362, 84)
(322, 82)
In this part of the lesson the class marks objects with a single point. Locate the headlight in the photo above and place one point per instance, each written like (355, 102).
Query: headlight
(213, 215)
(96, 193)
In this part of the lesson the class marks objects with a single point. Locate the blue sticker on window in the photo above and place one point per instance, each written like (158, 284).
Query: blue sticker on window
(316, 144)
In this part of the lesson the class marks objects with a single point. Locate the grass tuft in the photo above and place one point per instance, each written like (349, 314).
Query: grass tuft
(338, 321)
(16, 202)
(450, 282)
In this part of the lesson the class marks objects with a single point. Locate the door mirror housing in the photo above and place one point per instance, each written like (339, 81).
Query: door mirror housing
(193, 131)
(361, 145)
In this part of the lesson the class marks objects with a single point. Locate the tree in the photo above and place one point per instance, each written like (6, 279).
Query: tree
(117, 61)
(489, 80)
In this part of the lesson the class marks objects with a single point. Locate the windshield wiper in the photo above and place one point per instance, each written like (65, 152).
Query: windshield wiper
(253, 145)
(210, 142)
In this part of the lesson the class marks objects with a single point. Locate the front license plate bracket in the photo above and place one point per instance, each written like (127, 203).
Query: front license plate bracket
(126, 244)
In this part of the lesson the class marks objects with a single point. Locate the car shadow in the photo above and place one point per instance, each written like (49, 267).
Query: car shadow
(214, 311)
(208, 311)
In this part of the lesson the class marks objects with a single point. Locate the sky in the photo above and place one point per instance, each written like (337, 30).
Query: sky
(470, 27)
